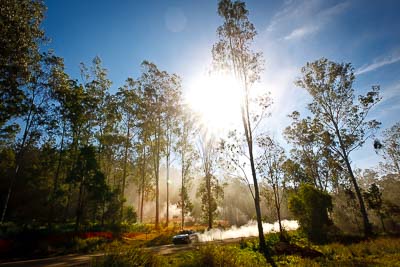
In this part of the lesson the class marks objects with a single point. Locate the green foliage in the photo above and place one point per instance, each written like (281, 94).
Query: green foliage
(211, 193)
(391, 150)
(224, 256)
(310, 207)
(374, 200)
(20, 38)
(127, 256)
(187, 204)
(86, 245)
(160, 240)
(343, 120)
(130, 215)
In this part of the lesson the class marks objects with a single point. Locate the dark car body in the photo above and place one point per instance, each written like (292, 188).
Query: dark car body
(185, 237)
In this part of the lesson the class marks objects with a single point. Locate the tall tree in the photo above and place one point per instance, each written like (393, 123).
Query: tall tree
(232, 53)
(270, 167)
(331, 86)
(87, 175)
(173, 104)
(155, 84)
(311, 150)
(210, 190)
(60, 87)
(36, 102)
(128, 105)
(390, 147)
(20, 38)
(188, 156)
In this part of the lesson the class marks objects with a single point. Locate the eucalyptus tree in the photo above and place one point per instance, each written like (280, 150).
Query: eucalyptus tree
(89, 179)
(97, 86)
(188, 156)
(390, 147)
(345, 121)
(233, 53)
(143, 163)
(311, 150)
(210, 190)
(59, 83)
(20, 38)
(269, 165)
(154, 83)
(36, 102)
(128, 103)
(172, 109)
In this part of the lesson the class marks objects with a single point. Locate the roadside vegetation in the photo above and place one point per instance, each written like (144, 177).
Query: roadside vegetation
(378, 251)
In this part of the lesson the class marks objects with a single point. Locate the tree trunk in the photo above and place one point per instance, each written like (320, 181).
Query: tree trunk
(56, 176)
(124, 173)
(367, 225)
(18, 158)
(383, 224)
(79, 208)
(182, 195)
(143, 180)
(157, 174)
(278, 211)
(210, 215)
(167, 219)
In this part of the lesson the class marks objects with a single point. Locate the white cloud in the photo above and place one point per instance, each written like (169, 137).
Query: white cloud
(379, 62)
(301, 18)
(301, 32)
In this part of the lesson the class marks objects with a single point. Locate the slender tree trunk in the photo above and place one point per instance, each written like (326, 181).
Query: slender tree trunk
(103, 211)
(18, 158)
(143, 180)
(278, 210)
(157, 174)
(56, 176)
(124, 173)
(367, 225)
(79, 208)
(167, 219)
(182, 195)
(138, 200)
(210, 215)
(263, 246)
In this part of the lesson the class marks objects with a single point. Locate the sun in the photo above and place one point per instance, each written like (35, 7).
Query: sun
(217, 99)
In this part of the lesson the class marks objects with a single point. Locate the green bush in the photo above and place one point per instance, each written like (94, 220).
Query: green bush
(310, 207)
(130, 215)
(162, 239)
(86, 245)
(122, 256)
(224, 256)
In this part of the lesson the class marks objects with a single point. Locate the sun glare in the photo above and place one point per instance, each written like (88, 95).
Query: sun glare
(217, 99)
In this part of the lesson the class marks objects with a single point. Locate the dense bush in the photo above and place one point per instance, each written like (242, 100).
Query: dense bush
(162, 239)
(122, 256)
(310, 207)
(224, 256)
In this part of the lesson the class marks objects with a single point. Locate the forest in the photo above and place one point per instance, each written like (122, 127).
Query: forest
(87, 165)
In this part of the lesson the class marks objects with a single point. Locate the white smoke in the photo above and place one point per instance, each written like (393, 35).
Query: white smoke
(247, 230)
(173, 211)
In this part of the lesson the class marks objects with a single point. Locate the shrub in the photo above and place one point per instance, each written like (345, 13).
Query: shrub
(224, 256)
(162, 239)
(310, 207)
(122, 256)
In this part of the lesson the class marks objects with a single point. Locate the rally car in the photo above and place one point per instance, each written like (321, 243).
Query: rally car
(185, 237)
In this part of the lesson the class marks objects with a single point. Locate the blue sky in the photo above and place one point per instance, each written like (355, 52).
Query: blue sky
(178, 36)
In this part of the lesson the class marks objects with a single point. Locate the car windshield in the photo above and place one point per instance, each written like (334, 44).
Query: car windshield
(186, 232)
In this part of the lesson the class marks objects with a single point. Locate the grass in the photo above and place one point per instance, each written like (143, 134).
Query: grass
(382, 251)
